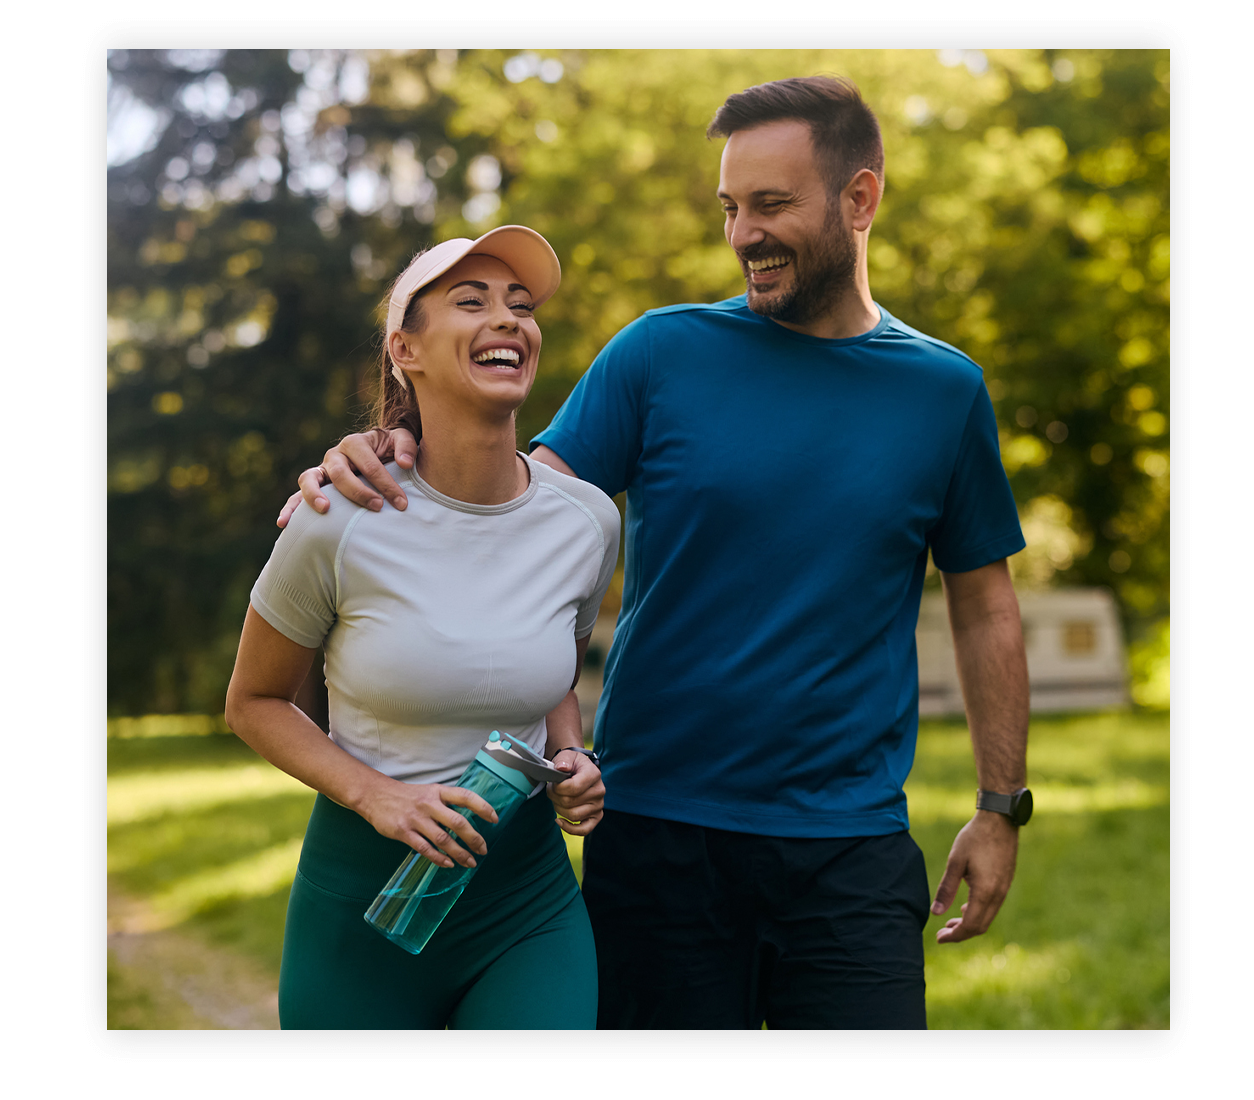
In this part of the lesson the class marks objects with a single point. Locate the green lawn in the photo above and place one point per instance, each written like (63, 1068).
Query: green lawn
(205, 836)
(1082, 940)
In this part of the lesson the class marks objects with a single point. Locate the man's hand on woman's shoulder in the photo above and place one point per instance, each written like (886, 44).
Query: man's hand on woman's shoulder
(353, 466)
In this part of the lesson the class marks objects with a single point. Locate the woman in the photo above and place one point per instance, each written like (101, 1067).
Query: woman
(469, 611)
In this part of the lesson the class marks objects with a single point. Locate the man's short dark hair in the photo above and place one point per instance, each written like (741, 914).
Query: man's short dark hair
(844, 129)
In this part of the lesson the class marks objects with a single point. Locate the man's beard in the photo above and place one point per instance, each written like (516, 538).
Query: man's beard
(821, 276)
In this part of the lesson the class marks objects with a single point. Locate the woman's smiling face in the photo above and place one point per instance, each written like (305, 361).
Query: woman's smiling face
(480, 341)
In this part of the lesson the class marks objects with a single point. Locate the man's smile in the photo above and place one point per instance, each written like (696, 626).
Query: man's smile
(769, 264)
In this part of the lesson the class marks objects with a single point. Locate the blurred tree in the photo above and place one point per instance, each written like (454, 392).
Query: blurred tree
(1025, 220)
(1040, 245)
(248, 246)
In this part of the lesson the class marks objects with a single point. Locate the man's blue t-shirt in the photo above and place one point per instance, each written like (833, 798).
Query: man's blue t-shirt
(783, 492)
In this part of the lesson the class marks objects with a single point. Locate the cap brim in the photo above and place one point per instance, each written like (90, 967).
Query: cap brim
(523, 250)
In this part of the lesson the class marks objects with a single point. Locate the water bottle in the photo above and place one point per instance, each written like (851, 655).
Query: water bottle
(420, 894)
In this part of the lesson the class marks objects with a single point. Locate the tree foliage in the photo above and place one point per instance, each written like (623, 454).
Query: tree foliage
(242, 289)
(1025, 220)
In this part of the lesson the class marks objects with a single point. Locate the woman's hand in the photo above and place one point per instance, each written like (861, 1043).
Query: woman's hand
(422, 816)
(354, 458)
(579, 800)
(269, 669)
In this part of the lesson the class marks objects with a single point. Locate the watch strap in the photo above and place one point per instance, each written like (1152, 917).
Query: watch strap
(991, 800)
(1017, 806)
(586, 752)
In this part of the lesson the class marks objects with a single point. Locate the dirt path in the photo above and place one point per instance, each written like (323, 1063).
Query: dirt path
(163, 978)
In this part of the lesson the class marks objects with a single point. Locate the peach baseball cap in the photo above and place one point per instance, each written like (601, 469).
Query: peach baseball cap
(526, 253)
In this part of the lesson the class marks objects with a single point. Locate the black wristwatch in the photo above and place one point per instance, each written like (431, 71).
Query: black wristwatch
(587, 752)
(1017, 806)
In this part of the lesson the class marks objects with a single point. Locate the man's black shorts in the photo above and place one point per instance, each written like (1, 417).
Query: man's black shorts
(706, 928)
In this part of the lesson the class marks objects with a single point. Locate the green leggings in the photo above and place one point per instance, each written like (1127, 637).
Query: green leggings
(516, 951)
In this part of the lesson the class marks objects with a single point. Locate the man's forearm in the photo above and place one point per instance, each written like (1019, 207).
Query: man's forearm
(992, 668)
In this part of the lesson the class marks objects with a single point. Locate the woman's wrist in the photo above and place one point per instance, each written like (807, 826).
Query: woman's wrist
(581, 751)
(364, 790)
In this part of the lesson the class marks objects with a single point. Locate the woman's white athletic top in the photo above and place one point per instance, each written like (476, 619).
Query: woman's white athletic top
(445, 621)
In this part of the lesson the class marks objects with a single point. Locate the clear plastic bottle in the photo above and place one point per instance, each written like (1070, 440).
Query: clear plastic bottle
(420, 894)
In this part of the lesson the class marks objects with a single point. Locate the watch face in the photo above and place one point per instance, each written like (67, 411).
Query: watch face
(1021, 807)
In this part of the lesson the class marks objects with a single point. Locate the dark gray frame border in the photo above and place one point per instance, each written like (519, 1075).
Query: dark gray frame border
(655, 1045)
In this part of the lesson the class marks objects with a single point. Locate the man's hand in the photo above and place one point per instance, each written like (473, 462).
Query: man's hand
(984, 854)
(362, 454)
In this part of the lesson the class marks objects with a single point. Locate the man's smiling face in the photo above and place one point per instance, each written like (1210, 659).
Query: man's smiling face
(797, 255)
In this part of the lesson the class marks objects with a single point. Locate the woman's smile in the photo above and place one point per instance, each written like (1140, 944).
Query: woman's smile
(479, 340)
(506, 355)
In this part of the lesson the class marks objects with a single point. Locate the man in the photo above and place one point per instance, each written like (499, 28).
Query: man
(790, 457)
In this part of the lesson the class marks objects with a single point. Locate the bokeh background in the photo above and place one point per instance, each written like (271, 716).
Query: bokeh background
(260, 201)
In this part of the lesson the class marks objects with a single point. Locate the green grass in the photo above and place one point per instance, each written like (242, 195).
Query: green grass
(1082, 940)
(206, 836)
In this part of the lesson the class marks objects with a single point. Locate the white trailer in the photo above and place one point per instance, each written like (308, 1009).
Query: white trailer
(1075, 650)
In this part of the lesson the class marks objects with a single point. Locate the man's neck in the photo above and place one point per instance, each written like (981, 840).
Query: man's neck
(852, 314)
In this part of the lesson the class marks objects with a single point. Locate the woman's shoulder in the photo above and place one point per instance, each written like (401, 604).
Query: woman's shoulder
(329, 528)
(582, 493)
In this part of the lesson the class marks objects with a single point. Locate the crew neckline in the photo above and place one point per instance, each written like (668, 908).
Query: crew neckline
(456, 505)
(823, 341)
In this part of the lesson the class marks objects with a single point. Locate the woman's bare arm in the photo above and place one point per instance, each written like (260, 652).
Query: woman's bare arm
(579, 800)
(269, 668)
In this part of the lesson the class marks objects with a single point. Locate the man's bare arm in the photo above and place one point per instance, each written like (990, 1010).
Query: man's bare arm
(355, 467)
(992, 668)
(553, 459)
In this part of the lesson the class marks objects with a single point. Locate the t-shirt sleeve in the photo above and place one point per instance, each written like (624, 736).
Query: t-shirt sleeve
(598, 430)
(297, 590)
(979, 523)
(608, 521)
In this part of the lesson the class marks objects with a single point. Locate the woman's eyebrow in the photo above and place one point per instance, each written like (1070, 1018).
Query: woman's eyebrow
(484, 286)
